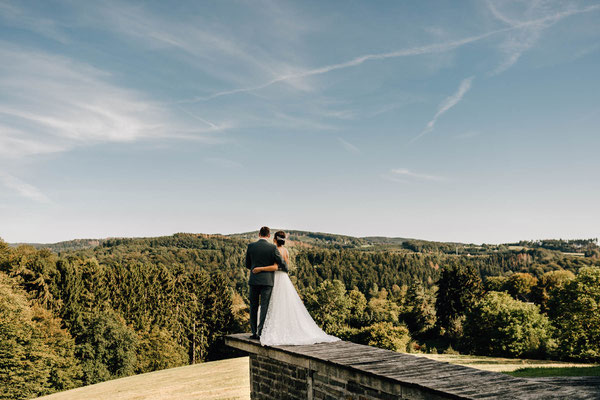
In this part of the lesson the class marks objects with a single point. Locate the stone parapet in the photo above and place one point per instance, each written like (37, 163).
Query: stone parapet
(344, 370)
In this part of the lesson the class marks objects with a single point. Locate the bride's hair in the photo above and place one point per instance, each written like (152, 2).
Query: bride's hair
(279, 238)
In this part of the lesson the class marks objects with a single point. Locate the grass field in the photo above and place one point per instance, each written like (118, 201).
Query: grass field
(545, 372)
(500, 364)
(229, 379)
(226, 379)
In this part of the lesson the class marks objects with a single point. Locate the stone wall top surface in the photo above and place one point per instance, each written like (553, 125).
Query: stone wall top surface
(383, 368)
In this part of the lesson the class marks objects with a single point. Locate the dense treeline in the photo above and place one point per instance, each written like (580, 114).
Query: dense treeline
(36, 353)
(566, 246)
(556, 316)
(121, 316)
(124, 306)
(563, 305)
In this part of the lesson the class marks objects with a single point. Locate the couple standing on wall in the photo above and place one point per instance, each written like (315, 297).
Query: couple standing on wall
(283, 319)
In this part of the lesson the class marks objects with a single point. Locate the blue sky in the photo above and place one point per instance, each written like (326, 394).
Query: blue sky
(456, 121)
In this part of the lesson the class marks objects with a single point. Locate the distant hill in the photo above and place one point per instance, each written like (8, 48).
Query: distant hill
(69, 245)
(313, 238)
(332, 240)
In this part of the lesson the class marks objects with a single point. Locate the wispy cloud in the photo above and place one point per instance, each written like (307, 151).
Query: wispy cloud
(404, 175)
(22, 188)
(515, 49)
(13, 15)
(204, 121)
(51, 103)
(522, 35)
(349, 147)
(204, 43)
(447, 104)
(525, 34)
(15, 143)
(413, 51)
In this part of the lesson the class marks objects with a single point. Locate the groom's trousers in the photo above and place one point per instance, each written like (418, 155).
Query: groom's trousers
(262, 293)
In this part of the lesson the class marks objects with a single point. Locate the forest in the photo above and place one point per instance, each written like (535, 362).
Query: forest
(85, 311)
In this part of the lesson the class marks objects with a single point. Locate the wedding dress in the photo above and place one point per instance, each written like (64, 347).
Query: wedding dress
(287, 321)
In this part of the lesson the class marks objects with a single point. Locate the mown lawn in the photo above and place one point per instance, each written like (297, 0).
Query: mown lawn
(217, 380)
(502, 364)
(545, 372)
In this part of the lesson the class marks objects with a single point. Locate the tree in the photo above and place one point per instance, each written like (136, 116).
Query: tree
(4, 249)
(241, 314)
(384, 335)
(519, 285)
(547, 284)
(381, 309)
(158, 350)
(65, 368)
(357, 307)
(500, 325)
(36, 355)
(329, 306)
(106, 346)
(576, 316)
(459, 288)
(495, 283)
(419, 310)
(34, 270)
(216, 317)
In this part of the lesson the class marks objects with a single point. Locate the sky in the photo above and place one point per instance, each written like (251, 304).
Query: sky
(471, 121)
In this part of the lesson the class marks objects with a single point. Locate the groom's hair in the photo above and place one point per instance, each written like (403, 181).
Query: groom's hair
(264, 232)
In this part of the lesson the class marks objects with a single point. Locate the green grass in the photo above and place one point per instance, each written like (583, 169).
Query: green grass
(543, 372)
(502, 364)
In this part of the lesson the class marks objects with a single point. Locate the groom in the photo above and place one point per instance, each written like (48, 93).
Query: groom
(261, 253)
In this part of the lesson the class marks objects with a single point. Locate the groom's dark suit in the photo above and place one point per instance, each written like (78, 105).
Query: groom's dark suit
(261, 254)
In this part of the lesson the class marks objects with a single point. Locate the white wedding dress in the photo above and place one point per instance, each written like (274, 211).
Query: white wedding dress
(287, 321)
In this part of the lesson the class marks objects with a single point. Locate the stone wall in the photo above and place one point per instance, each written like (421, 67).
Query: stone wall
(274, 380)
(343, 370)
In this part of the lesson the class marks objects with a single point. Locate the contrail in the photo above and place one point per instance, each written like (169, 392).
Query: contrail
(414, 51)
(447, 104)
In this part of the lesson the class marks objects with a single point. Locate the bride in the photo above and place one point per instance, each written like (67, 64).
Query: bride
(287, 321)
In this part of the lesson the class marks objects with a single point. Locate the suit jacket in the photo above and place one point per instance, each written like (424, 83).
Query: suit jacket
(262, 254)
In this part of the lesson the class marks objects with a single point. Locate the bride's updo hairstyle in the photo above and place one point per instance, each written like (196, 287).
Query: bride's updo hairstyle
(280, 238)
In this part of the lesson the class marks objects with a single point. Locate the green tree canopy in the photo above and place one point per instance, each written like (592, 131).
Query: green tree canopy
(36, 355)
(502, 325)
(576, 315)
(384, 335)
(419, 309)
(547, 284)
(329, 306)
(459, 288)
(519, 285)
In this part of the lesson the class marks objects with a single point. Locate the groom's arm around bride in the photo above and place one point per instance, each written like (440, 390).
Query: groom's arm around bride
(264, 254)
